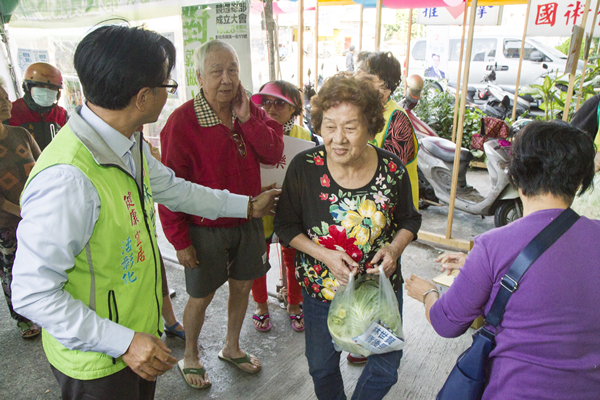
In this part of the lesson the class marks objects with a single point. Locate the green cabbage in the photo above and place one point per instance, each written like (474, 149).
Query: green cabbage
(350, 316)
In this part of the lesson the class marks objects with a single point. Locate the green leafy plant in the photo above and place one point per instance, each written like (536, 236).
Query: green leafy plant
(553, 91)
(550, 93)
(564, 47)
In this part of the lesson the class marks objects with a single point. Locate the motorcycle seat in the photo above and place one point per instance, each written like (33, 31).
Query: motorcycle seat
(444, 149)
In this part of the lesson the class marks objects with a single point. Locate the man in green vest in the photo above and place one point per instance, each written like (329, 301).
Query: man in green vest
(88, 268)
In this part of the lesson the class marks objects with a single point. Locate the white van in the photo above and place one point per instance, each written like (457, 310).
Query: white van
(487, 52)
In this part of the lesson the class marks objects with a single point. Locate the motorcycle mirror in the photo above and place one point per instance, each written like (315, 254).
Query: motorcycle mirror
(308, 72)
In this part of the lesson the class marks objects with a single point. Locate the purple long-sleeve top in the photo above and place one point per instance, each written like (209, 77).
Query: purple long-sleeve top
(548, 343)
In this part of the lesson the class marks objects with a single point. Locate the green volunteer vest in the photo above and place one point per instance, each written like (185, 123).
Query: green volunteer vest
(117, 274)
(411, 167)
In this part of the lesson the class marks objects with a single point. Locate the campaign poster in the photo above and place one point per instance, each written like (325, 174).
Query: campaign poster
(436, 56)
(226, 21)
(26, 57)
(72, 95)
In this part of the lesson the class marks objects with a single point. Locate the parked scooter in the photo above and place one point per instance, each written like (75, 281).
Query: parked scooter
(498, 101)
(436, 157)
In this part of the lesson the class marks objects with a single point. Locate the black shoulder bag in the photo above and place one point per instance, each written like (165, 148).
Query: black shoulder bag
(467, 379)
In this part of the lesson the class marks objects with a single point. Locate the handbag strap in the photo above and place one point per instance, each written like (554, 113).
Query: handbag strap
(510, 282)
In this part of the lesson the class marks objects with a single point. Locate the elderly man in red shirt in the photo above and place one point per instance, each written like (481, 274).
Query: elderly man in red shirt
(218, 139)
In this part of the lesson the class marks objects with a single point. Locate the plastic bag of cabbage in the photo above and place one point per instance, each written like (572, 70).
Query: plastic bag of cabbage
(364, 317)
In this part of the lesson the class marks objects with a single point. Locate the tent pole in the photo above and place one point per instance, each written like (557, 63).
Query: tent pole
(461, 118)
(574, 67)
(360, 28)
(460, 58)
(9, 61)
(300, 40)
(378, 25)
(514, 110)
(270, 37)
(277, 63)
(316, 40)
(588, 42)
(408, 35)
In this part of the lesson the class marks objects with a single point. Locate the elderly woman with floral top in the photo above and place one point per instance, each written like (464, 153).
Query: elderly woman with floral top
(346, 207)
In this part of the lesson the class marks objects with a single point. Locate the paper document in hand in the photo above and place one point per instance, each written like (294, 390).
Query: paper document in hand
(276, 173)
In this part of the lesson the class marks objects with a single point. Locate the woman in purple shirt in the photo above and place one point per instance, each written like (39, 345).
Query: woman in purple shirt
(548, 343)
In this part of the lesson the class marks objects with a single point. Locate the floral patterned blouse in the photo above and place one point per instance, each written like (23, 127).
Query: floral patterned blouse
(359, 221)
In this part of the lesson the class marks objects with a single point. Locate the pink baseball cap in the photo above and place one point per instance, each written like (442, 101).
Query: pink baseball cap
(271, 89)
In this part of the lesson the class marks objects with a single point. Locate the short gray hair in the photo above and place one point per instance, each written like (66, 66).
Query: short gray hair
(202, 52)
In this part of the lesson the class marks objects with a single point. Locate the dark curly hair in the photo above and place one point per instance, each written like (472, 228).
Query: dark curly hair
(552, 158)
(360, 90)
(386, 67)
(287, 89)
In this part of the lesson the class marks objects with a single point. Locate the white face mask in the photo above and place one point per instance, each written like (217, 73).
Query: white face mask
(43, 97)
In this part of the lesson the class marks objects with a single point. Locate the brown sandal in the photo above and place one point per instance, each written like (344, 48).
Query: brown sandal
(28, 329)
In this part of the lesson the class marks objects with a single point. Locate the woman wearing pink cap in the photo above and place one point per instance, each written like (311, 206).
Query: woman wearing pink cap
(282, 102)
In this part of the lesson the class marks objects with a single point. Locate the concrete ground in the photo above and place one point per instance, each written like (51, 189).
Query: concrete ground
(25, 372)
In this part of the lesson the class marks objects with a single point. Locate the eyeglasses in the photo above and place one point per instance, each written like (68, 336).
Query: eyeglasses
(171, 86)
(239, 142)
(278, 104)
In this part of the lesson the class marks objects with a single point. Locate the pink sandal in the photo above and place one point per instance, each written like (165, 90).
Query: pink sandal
(260, 319)
(298, 318)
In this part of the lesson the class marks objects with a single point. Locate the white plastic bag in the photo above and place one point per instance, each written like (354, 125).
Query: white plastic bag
(588, 204)
(364, 317)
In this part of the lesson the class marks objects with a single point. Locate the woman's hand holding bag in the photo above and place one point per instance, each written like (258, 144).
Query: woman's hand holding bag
(364, 317)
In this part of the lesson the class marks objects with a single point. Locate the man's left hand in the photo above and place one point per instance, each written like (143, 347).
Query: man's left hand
(241, 105)
(148, 356)
(265, 203)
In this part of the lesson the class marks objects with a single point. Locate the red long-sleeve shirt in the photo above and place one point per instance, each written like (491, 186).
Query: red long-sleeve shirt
(206, 155)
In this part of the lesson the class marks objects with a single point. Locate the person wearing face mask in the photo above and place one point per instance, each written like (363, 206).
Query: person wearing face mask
(38, 111)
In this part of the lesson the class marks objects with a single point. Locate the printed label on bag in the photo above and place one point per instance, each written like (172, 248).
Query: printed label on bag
(379, 339)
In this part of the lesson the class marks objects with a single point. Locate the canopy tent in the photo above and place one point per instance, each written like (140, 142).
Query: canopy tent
(67, 13)
(6, 9)
(50, 14)
(407, 4)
